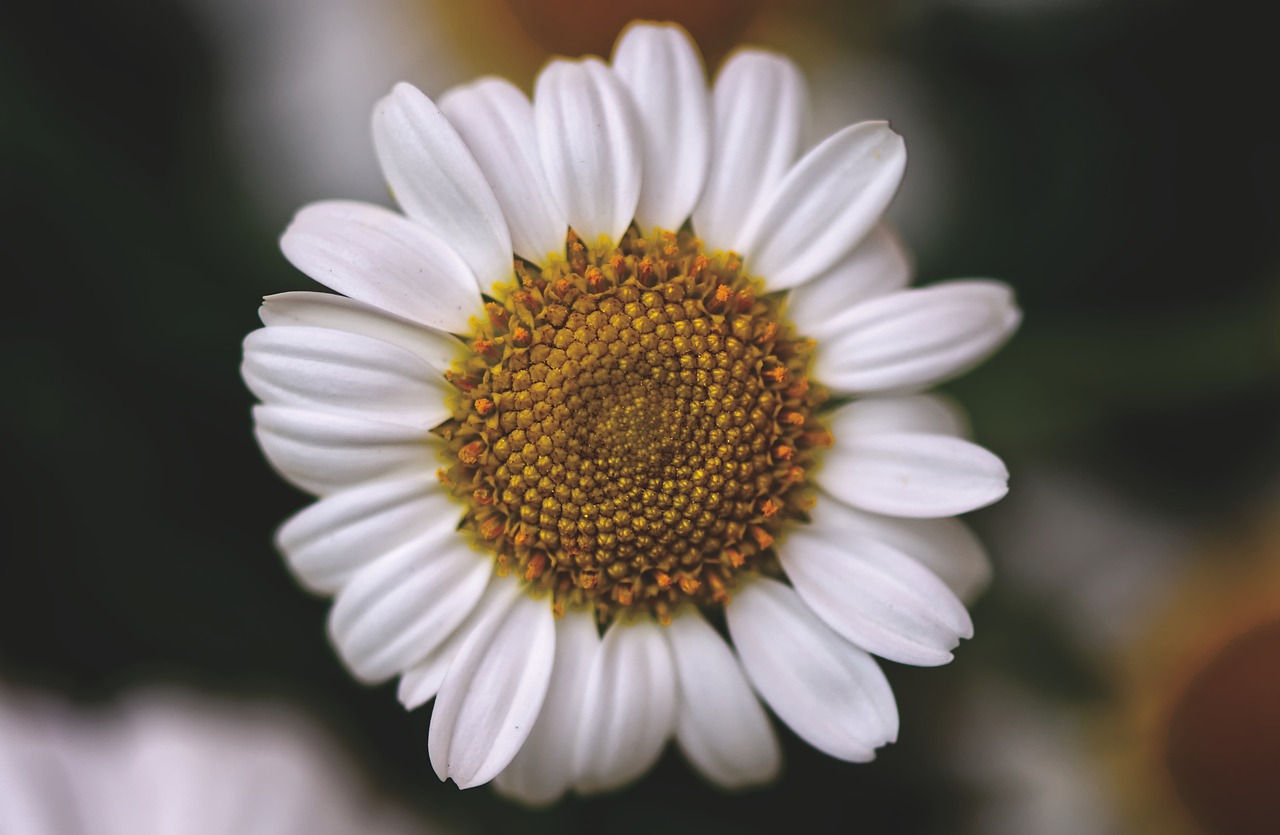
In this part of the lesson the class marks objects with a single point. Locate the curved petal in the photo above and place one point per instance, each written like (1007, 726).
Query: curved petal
(543, 770)
(825, 205)
(916, 338)
(759, 106)
(421, 682)
(496, 121)
(909, 473)
(930, 413)
(323, 453)
(438, 183)
(661, 67)
(492, 693)
(327, 310)
(328, 540)
(400, 607)
(944, 546)
(589, 139)
(832, 694)
(385, 260)
(721, 726)
(343, 373)
(629, 710)
(876, 267)
(872, 594)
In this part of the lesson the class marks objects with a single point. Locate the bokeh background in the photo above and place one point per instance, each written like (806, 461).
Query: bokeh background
(1116, 161)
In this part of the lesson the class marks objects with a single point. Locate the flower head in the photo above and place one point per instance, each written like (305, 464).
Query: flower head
(627, 360)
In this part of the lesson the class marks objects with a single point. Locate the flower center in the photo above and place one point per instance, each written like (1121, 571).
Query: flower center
(634, 426)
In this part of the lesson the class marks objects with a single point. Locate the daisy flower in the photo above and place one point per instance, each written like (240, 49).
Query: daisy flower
(616, 429)
(164, 762)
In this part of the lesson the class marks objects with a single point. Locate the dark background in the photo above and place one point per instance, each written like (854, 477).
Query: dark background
(1119, 166)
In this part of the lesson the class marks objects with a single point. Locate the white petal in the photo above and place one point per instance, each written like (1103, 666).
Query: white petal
(325, 542)
(721, 727)
(543, 770)
(421, 682)
(589, 138)
(930, 413)
(326, 310)
(759, 105)
(630, 707)
(661, 67)
(824, 206)
(832, 694)
(438, 183)
(323, 453)
(944, 546)
(910, 473)
(385, 260)
(400, 607)
(493, 692)
(915, 338)
(343, 373)
(877, 266)
(496, 121)
(872, 594)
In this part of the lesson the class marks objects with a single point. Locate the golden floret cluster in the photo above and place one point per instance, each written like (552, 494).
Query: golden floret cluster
(634, 425)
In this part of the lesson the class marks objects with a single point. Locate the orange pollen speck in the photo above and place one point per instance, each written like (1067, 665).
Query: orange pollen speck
(484, 406)
(689, 584)
(537, 565)
(770, 506)
(761, 536)
(492, 527)
(735, 557)
(663, 579)
(470, 454)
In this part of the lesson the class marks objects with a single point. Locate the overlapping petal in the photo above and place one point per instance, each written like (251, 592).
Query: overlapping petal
(493, 692)
(439, 184)
(496, 121)
(664, 73)
(832, 694)
(759, 105)
(327, 541)
(342, 373)
(402, 605)
(915, 338)
(385, 260)
(721, 726)
(421, 682)
(323, 453)
(327, 310)
(872, 594)
(544, 768)
(876, 267)
(825, 206)
(590, 142)
(907, 473)
(944, 546)
(629, 710)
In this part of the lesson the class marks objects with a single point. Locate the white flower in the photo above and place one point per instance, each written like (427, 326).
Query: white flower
(629, 433)
(161, 762)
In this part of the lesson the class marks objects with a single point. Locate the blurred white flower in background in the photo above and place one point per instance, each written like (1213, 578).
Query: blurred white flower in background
(166, 762)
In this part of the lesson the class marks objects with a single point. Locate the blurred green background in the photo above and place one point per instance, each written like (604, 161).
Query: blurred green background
(1117, 162)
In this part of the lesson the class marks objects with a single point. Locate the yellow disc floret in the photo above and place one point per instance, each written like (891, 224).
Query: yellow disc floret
(634, 427)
